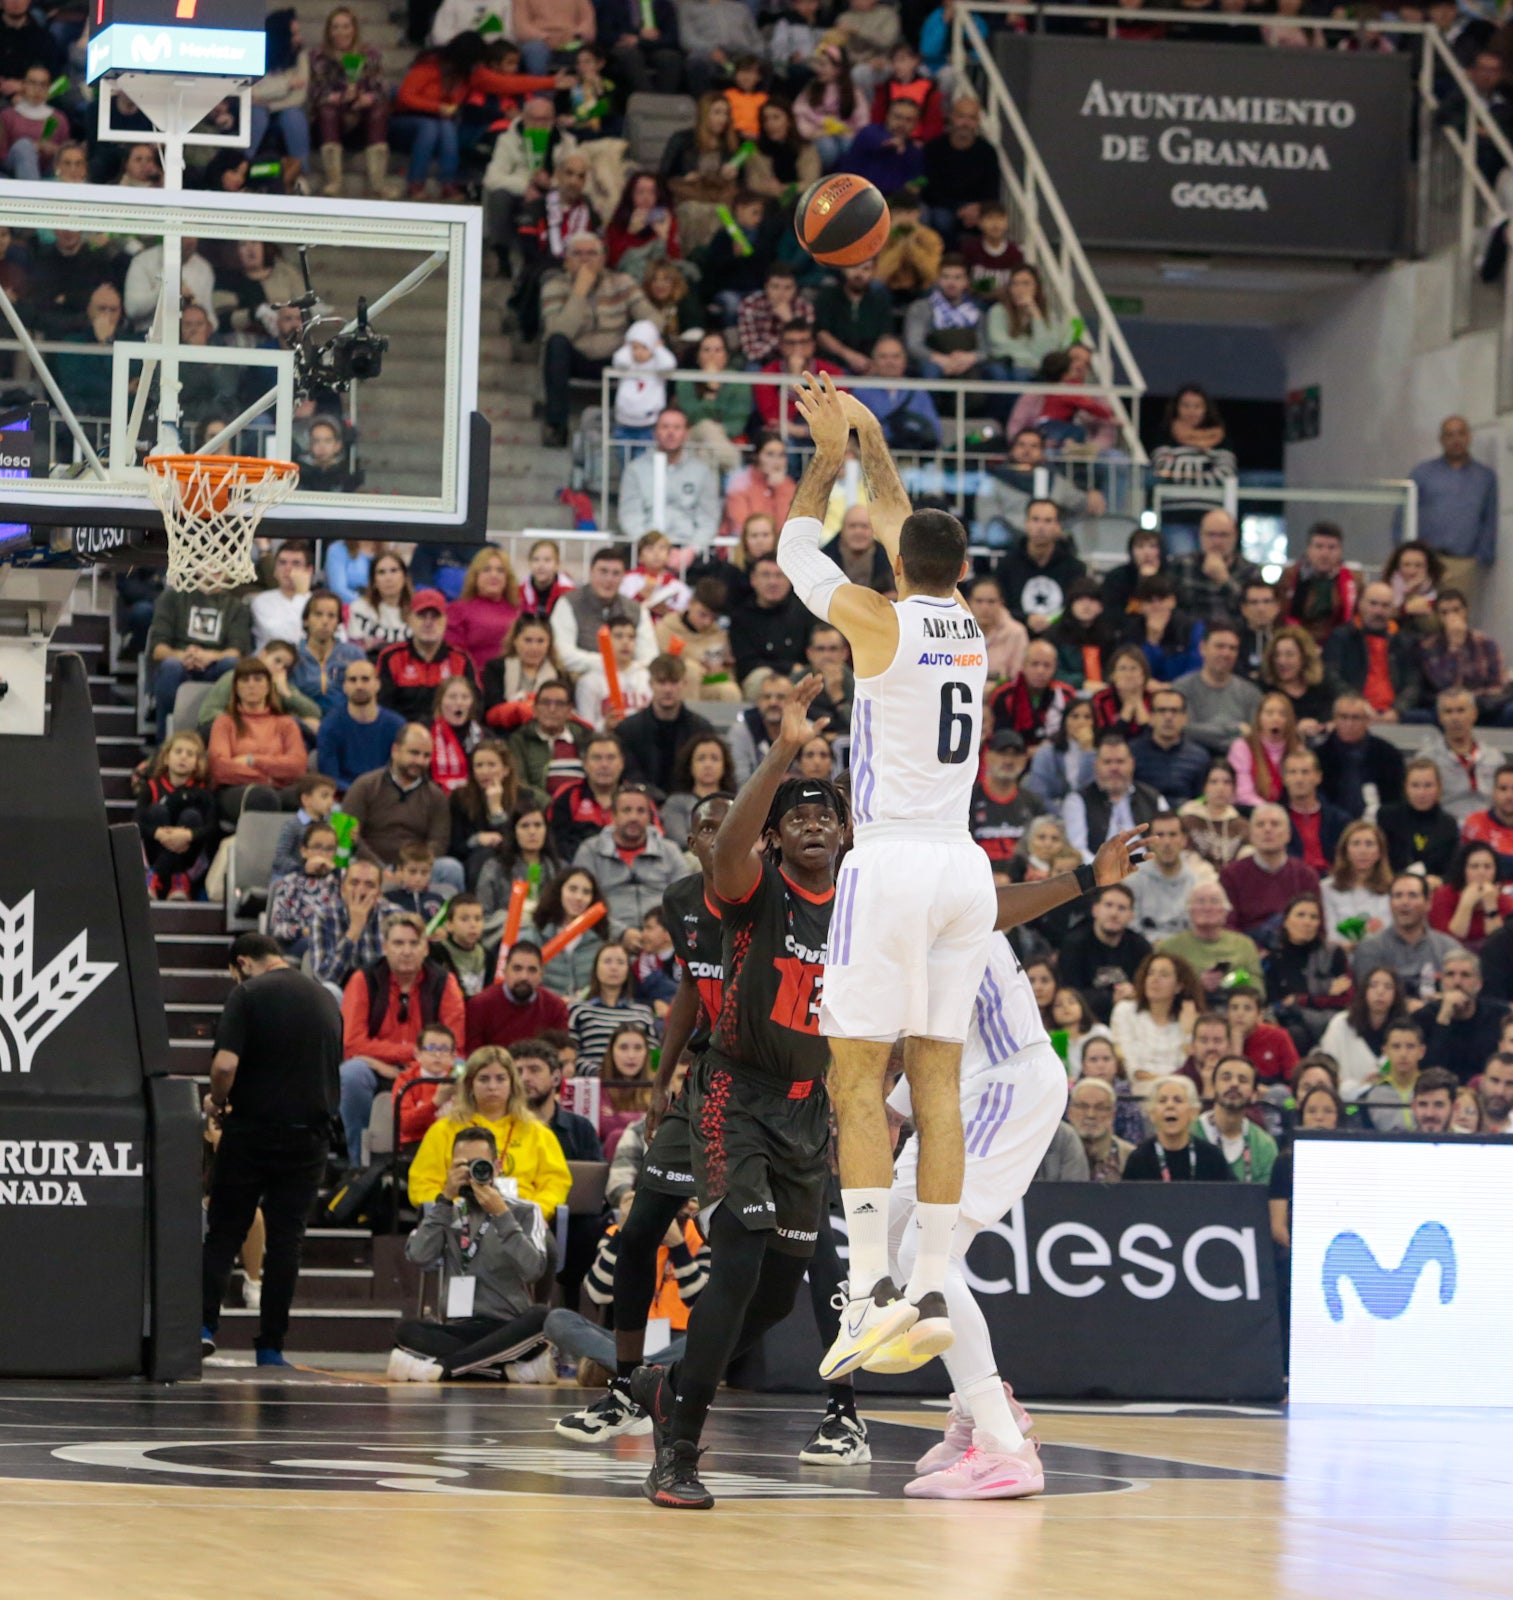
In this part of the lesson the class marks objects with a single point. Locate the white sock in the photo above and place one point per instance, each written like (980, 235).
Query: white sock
(867, 1238)
(937, 1226)
(970, 1361)
(992, 1421)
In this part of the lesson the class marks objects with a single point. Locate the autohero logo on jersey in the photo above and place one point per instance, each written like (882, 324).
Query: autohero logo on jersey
(951, 627)
(45, 1172)
(1073, 1259)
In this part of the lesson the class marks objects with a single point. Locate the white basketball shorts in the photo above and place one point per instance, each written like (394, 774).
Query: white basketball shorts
(909, 935)
(1008, 1117)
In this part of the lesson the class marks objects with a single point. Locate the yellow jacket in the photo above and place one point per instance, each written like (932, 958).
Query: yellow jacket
(528, 1152)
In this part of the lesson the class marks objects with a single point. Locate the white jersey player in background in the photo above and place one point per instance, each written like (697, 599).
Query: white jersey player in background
(1013, 1095)
(914, 901)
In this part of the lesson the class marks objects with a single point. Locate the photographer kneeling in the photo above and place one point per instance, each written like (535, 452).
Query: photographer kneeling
(492, 1247)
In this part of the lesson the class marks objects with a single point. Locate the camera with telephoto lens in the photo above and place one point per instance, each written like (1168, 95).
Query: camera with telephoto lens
(481, 1170)
(351, 356)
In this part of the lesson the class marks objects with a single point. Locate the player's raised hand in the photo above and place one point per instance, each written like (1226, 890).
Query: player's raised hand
(1118, 857)
(797, 728)
(857, 415)
(819, 404)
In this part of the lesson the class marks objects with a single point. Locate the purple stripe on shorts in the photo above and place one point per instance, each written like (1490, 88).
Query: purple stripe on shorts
(1010, 1041)
(1000, 1115)
(838, 950)
(869, 777)
(977, 1116)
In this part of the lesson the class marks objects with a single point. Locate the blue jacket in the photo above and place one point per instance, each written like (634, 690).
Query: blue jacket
(346, 748)
(306, 674)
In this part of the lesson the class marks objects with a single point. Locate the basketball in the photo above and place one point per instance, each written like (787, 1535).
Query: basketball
(842, 220)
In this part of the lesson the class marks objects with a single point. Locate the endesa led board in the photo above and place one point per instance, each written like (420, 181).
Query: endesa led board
(200, 38)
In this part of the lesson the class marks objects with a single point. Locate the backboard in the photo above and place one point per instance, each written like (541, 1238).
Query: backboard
(389, 439)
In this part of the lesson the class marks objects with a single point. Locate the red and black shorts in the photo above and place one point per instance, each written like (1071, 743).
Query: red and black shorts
(668, 1166)
(762, 1150)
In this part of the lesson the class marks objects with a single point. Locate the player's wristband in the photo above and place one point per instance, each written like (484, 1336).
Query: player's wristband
(1086, 879)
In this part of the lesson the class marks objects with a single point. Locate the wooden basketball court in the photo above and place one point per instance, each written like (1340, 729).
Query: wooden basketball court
(322, 1484)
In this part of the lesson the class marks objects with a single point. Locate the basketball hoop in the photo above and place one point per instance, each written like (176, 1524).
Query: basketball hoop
(211, 507)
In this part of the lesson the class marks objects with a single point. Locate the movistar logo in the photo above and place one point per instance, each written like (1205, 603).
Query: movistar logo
(148, 47)
(1386, 1291)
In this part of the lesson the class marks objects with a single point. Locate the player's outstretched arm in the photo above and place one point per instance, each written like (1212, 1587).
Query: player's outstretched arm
(1117, 858)
(682, 1018)
(887, 500)
(738, 844)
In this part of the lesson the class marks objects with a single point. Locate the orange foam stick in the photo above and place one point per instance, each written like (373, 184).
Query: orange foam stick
(675, 645)
(513, 917)
(611, 671)
(559, 942)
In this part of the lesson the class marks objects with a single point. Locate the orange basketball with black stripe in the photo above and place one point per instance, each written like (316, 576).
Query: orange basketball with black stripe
(842, 220)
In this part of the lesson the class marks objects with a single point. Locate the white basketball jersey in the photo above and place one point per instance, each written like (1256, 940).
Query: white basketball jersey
(915, 727)
(1005, 1017)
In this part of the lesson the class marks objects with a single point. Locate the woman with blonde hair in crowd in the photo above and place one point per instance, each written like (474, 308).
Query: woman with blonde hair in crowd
(1257, 756)
(350, 99)
(480, 618)
(1154, 1031)
(1360, 884)
(1021, 330)
(1293, 665)
(490, 1095)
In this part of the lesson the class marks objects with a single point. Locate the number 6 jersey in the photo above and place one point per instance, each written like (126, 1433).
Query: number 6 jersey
(774, 958)
(915, 727)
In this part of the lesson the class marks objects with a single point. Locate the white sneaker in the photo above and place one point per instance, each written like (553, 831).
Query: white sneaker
(407, 1368)
(839, 1441)
(867, 1323)
(252, 1293)
(612, 1414)
(539, 1368)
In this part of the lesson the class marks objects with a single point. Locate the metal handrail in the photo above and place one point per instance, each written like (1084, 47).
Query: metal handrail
(1064, 262)
(959, 388)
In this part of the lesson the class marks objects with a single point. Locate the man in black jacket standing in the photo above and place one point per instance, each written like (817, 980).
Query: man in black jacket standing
(652, 737)
(769, 630)
(273, 1093)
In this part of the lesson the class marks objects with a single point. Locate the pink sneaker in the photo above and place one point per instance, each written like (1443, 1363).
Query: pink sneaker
(958, 1439)
(984, 1475)
(952, 1448)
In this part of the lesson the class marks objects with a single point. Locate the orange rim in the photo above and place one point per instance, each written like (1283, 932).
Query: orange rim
(183, 467)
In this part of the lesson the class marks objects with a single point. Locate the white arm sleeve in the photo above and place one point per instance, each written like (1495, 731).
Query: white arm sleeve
(814, 576)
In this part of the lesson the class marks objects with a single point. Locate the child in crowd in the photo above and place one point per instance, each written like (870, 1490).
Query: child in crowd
(652, 580)
(908, 80)
(635, 681)
(317, 800)
(299, 898)
(1269, 1047)
(462, 948)
(592, 96)
(991, 255)
(655, 969)
(433, 1067)
(176, 817)
(640, 399)
(547, 582)
(746, 97)
(410, 889)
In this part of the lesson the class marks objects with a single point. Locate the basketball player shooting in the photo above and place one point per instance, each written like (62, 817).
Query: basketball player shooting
(915, 903)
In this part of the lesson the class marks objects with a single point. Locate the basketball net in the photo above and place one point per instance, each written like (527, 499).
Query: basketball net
(211, 507)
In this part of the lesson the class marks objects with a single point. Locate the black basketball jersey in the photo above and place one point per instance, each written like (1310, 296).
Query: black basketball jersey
(774, 957)
(693, 924)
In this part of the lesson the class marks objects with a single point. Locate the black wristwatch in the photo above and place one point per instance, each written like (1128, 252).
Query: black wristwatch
(1087, 880)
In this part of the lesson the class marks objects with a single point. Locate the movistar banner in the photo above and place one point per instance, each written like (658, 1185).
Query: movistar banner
(1140, 1291)
(1400, 1247)
(200, 51)
(1218, 147)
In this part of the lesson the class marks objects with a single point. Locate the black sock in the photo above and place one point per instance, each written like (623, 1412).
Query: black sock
(842, 1402)
(623, 1370)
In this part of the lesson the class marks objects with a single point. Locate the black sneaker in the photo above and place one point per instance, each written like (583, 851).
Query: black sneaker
(612, 1414)
(652, 1394)
(553, 438)
(674, 1480)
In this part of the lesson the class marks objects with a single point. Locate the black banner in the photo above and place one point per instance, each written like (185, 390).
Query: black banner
(1135, 1291)
(1218, 147)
